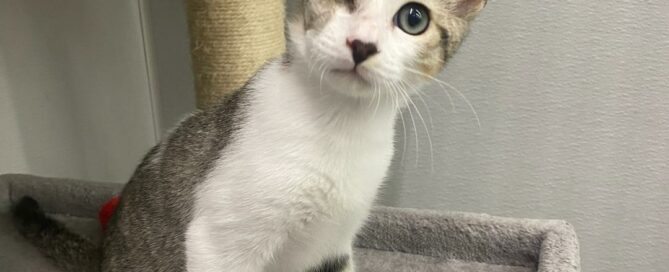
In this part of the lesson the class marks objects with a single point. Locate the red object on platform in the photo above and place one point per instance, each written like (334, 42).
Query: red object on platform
(107, 211)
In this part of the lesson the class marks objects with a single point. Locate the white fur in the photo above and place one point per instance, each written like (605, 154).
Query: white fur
(295, 184)
(299, 177)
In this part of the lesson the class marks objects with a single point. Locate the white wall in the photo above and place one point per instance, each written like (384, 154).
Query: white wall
(74, 95)
(573, 98)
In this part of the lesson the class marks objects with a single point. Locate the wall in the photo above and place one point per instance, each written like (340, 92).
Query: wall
(169, 47)
(573, 98)
(10, 140)
(74, 90)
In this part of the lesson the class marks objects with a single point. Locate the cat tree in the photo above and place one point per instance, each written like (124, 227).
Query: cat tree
(394, 240)
(230, 40)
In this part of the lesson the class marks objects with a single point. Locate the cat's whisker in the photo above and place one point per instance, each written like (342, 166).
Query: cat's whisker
(441, 107)
(442, 83)
(430, 61)
(371, 101)
(413, 120)
(396, 103)
(319, 60)
(377, 92)
(469, 103)
(429, 116)
(316, 63)
(311, 64)
(427, 130)
(398, 96)
(423, 101)
(378, 102)
(443, 88)
(404, 131)
(320, 82)
(450, 99)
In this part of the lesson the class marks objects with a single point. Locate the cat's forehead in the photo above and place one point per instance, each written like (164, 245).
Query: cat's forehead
(358, 6)
(319, 12)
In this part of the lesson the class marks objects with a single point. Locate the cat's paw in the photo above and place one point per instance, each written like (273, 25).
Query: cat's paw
(335, 264)
(29, 216)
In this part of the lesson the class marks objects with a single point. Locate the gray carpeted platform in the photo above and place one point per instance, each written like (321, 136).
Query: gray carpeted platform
(393, 240)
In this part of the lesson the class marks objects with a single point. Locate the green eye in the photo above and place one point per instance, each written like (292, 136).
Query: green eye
(413, 18)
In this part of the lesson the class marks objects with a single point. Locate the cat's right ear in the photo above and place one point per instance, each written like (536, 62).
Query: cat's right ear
(467, 9)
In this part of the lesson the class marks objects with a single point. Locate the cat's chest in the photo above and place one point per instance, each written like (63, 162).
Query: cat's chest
(358, 152)
(307, 158)
(307, 172)
(294, 152)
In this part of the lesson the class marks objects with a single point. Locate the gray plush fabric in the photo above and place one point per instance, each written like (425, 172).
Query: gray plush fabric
(545, 245)
(393, 240)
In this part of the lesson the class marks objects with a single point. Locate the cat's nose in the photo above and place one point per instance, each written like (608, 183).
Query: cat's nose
(361, 50)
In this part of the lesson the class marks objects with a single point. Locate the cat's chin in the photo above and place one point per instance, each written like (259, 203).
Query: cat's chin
(351, 83)
(342, 74)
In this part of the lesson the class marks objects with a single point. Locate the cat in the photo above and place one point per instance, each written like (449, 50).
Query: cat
(281, 175)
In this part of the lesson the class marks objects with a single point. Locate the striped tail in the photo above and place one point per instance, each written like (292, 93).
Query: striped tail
(68, 250)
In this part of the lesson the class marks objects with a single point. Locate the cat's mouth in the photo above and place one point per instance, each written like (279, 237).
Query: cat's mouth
(350, 74)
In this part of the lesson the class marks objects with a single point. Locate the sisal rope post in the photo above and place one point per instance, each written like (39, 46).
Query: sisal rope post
(230, 41)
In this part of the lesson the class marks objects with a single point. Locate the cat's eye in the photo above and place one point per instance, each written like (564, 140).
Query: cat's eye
(413, 18)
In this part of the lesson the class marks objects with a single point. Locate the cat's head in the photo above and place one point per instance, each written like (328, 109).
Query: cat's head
(359, 46)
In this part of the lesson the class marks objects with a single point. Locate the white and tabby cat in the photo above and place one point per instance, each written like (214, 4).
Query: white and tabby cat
(280, 176)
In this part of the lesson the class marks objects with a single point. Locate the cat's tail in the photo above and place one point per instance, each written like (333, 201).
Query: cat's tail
(68, 250)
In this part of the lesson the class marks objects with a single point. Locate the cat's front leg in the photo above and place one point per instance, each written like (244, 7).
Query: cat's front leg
(346, 259)
(350, 264)
(342, 262)
(215, 247)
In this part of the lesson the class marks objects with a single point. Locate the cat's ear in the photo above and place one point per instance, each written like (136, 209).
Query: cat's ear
(467, 9)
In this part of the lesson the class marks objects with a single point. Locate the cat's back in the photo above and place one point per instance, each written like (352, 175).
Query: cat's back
(147, 230)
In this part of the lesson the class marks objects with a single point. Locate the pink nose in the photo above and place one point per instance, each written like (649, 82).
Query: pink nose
(361, 50)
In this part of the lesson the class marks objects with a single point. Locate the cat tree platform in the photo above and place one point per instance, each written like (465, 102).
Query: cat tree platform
(393, 239)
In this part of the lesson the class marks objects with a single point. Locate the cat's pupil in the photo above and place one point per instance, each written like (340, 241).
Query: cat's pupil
(415, 17)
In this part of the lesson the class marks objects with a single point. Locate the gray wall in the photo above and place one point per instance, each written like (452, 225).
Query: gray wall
(573, 98)
(74, 90)
(169, 48)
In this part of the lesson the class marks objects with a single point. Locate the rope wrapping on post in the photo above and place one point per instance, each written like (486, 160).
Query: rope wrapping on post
(230, 41)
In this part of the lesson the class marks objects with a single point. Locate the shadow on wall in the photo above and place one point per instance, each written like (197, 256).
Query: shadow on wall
(38, 88)
(80, 98)
(170, 48)
(11, 144)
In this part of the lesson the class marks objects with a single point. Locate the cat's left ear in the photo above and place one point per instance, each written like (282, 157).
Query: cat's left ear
(467, 9)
